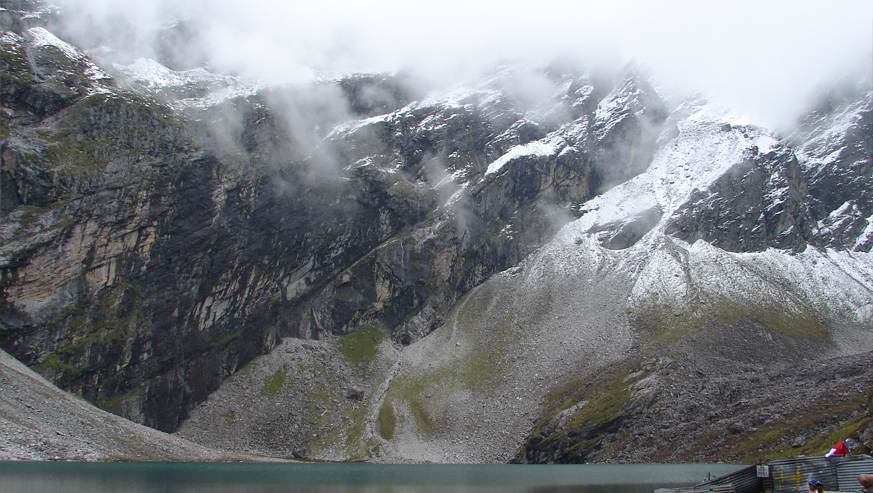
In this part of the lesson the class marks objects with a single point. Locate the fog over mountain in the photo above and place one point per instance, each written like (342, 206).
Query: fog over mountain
(764, 58)
(443, 232)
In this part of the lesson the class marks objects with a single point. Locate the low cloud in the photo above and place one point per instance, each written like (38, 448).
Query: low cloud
(762, 57)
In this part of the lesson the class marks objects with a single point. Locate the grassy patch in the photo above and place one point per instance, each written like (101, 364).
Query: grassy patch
(275, 383)
(359, 347)
(53, 362)
(227, 339)
(114, 402)
(778, 318)
(247, 369)
(17, 68)
(603, 414)
(477, 367)
(667, 328)
(774, 438)
(229, 418)
(387, 420)
(110, 321)
(422, 418)
(355, 445)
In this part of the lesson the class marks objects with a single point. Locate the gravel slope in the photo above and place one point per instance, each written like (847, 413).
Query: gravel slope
(38, 421)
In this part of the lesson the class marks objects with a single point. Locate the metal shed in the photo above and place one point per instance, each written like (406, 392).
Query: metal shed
(836, 473)
(789, 476)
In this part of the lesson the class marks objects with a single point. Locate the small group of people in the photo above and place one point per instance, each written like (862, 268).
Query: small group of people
(866, 481)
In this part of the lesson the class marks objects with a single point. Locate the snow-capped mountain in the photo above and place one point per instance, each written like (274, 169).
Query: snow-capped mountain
(546, 265)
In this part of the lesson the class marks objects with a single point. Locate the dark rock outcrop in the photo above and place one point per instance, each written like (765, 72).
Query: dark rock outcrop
(683, 410)
(760, 203)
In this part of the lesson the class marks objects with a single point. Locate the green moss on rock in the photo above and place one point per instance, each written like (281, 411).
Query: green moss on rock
(359, 347)
(274, 384)
(387, 421)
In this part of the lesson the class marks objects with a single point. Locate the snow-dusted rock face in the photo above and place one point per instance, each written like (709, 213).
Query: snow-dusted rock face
(690, 304)
(834, 149)
(537, 266)
(730, 275)
(701, 266)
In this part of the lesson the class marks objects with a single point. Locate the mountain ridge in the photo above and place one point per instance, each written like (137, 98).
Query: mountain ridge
(434, 269)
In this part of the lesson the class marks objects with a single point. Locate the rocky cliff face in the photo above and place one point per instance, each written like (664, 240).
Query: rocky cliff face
(541, 261)
(834, 149)
(155, 242)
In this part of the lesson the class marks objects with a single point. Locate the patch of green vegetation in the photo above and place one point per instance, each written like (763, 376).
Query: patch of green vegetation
(17, 70)
(116, 400)
(667, 328)
(356, 448)
(227, 339)
(274, 384)
(94, 329)
(102, 323)
(80, 398)
(121, 458)
(774, 439)
(387, 421)
(246, 370)
(778, 318)
(319, 404)
(478, 366)
(475, 371)
(30, 214)
(113, 402)
(33, 209)
(359, 347)
(52, 361)
(63, 221)
(423, 420)
(71, 159)
(229, 418)
(102, 129)
(602, 414)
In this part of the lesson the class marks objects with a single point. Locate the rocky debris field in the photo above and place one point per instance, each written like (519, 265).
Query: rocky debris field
(687, 410)
(306, 399)
(40, 422)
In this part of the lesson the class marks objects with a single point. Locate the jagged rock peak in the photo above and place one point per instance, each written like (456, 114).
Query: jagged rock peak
(634, 95)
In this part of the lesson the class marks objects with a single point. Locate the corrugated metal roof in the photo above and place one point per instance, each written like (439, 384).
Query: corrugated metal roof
(792, 475)
(849, 469)
(745, 480)
(709, 489)
(789, 476)
(725, 488)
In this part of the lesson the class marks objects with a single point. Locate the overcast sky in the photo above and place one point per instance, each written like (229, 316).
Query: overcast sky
(765, 57)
